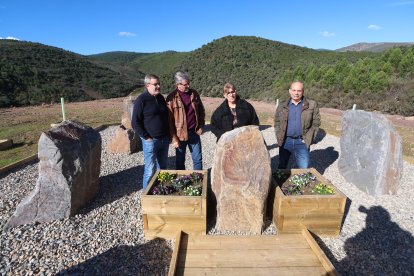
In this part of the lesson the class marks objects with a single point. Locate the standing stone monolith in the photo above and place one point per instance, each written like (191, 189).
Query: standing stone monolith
(125, 139)
(371, 152)
(128, 106)
(241, 175)
(69, 167)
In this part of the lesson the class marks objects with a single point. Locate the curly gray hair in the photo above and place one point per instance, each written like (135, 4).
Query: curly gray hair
(180, 76)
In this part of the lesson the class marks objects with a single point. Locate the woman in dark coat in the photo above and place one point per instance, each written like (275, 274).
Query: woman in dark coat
(232, 113)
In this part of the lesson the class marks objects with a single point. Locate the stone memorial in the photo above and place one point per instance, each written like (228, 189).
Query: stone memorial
(69, 167)
(241, 175)
(371, 152)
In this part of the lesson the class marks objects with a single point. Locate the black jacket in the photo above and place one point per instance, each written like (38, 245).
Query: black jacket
(150, 116)
(222, 119)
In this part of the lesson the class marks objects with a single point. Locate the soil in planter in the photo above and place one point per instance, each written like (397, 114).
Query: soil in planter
(189, 185)
(283, 180)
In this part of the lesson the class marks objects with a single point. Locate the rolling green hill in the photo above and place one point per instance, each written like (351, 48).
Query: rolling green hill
(32, 73)
(253, 64)
(260, 68)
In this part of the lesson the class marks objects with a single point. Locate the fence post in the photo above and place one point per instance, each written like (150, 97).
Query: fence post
(354, 107)
(62, 102)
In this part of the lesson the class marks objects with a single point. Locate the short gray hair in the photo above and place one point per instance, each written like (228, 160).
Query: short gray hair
(148, 78)
(180, 76)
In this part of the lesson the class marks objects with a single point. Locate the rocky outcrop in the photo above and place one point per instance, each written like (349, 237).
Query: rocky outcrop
(241, 175)
(69, 168)
(371, 152)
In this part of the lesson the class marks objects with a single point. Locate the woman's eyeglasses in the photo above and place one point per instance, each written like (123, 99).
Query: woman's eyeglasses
(231, 92)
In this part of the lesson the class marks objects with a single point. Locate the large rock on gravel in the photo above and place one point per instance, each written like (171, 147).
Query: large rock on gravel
(124, 141)
(371, 152)
(69, 167)
(241, 175)
(128, 105)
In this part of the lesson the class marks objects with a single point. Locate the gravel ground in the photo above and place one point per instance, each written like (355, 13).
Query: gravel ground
(107, 237)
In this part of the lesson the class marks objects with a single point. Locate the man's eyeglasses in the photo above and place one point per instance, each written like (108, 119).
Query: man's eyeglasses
(156, 84)
(186, 84)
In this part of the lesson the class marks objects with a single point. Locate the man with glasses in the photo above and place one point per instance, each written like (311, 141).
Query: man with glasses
(150, 121)
(187, 119)
(296, 124)
(232, 113)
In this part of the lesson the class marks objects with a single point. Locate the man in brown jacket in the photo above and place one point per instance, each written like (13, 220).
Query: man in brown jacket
(187, 119)
(296, 124)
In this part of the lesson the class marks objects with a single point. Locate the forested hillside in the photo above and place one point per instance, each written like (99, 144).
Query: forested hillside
(32, 73)
(261, 69)
(384, 82)
(252, 63)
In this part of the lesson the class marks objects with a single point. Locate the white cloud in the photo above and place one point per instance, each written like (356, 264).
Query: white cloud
(326, 34)
(9, 37)
(374, 27)
(126, 34)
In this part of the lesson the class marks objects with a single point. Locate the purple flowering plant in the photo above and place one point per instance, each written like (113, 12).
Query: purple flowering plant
(299, 184)
(173, 184)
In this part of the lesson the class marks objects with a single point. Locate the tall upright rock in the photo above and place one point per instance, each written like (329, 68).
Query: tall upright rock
(69, 168)
(241, 176)
(125, 139)
(371, 152)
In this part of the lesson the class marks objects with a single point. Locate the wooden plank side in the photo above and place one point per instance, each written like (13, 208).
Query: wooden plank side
(173, 263)
(248, 258)
(326, 263)
(314, 204)
(175, 219)
(249, 271)
(184, 205)
(185, 223)
(168, 232)
(314, 221)
(244, 242)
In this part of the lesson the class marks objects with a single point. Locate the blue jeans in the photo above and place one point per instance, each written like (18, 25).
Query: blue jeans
(155, 156)
(299, 150)
(194, 144)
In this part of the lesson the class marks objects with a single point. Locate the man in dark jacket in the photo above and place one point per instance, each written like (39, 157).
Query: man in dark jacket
(232, 113)
(296, 124)
(150, 121)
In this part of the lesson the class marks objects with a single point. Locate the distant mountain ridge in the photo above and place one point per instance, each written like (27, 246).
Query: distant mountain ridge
(375, 47)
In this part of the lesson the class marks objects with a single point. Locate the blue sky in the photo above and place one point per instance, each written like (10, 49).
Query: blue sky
(97, 26)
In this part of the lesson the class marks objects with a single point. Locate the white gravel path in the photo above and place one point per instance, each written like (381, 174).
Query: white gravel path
(377, 236)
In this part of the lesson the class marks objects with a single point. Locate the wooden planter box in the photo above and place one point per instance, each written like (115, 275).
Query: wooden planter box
(164, 215)
(288, 254)
(321, 214)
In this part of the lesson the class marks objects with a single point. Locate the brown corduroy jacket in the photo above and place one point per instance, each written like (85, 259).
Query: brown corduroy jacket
(178, 120)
